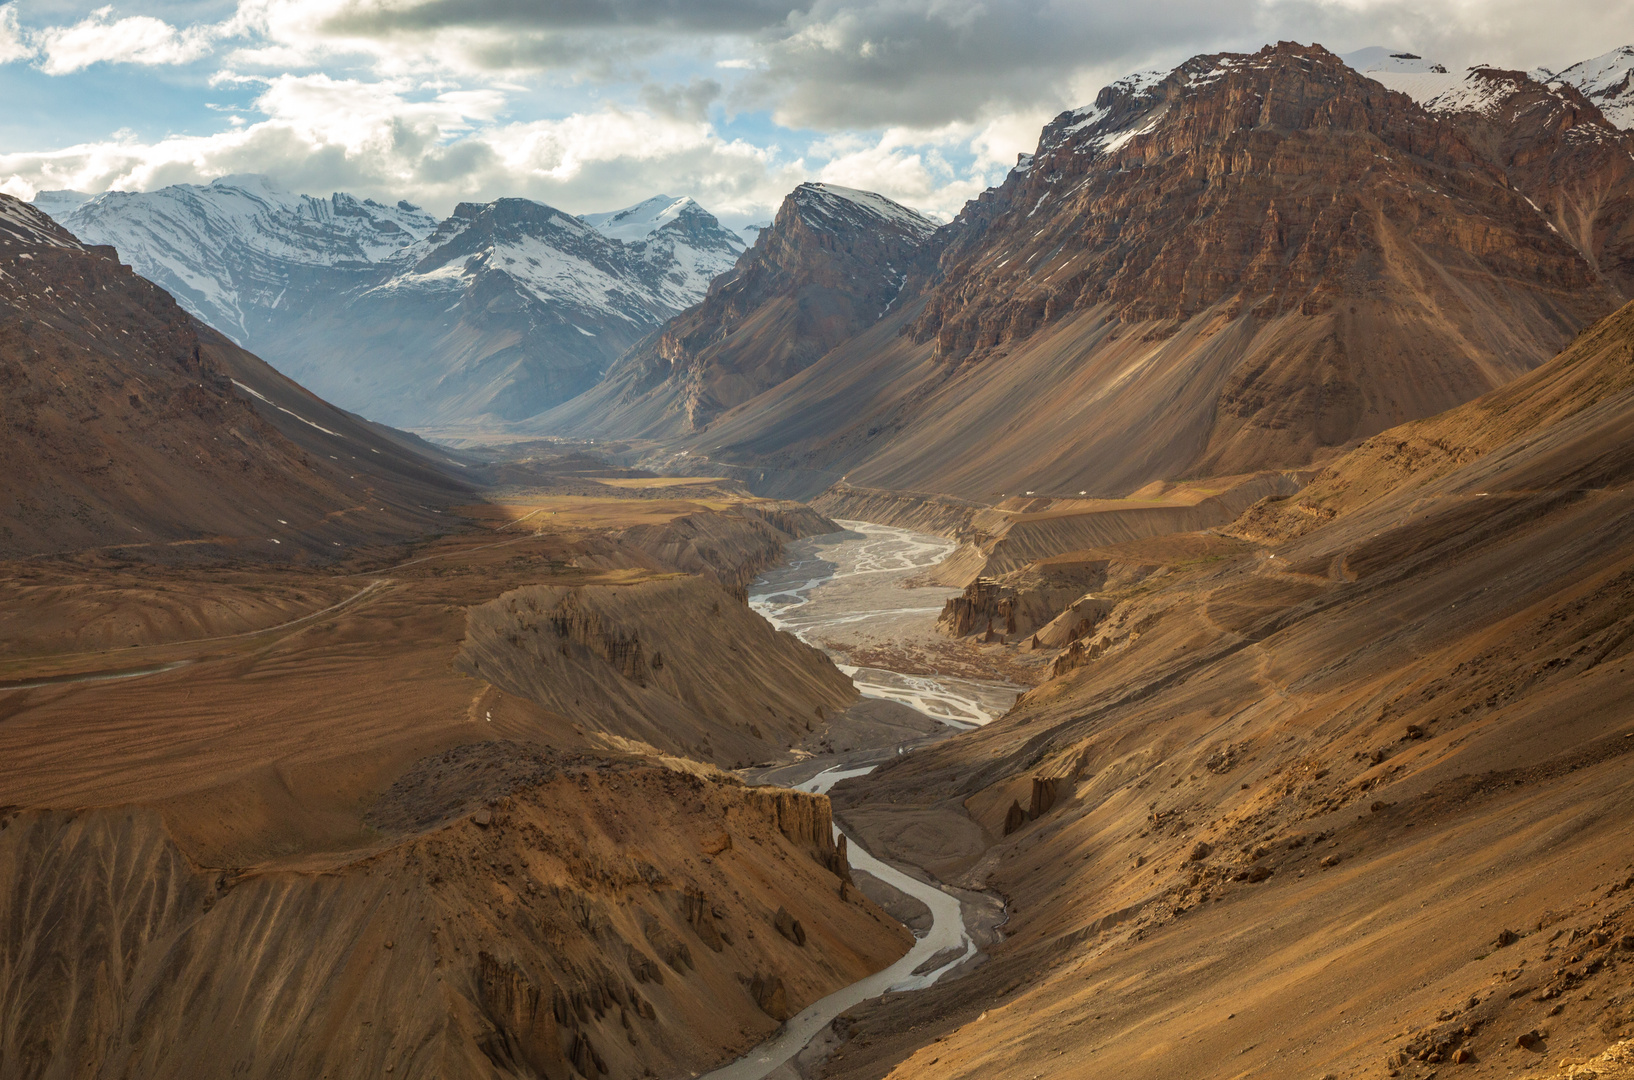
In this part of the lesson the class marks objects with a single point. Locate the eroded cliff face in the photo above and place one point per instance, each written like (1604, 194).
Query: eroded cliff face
(1276, 180)
(1560, 152)
(679, 664)
(1245, 264)
(530, 915)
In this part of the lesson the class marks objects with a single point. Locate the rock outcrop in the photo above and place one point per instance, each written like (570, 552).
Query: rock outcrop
(525, 947)
(677, 663)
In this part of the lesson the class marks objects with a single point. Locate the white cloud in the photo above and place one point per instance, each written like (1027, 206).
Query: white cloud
(914, 167)
(137, 39)
(391, 139)
(12, 44)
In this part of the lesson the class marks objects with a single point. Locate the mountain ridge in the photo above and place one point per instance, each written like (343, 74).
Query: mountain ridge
(132, 427)
(299, 279)
(1244, 264)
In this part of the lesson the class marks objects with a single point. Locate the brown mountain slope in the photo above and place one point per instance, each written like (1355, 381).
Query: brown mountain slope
(1245, 265)
(126, 423)
(833, 261)
(330, 831)
(562, 917)
(1355, 804)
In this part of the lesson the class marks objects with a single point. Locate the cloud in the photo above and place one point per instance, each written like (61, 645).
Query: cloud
(689, 102)
(392, 139)
(137, 39)
(592, 104)
(12, 45)
(379, 17)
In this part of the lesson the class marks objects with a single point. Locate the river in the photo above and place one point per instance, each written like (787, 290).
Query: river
(841, 591)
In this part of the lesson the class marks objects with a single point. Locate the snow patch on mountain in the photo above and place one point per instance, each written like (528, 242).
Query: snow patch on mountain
(834, 199)
(227, 248)
(61, 201)
(1377, 58)
(21, 222)
(1606, 80)
(1477, 89)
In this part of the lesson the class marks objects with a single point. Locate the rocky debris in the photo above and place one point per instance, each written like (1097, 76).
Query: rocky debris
(1615, 1063)
(1505, 938)
(525, 1025)
(789, 927)
(1202, 850)
(670, 949)
(1330, 861)
(643, 967)
(700, 915)
(771, 995)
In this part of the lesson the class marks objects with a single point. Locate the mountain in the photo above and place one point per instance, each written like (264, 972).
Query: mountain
(1248, 262)
(240, 253)
(128, 425)
(1554, 144)
(528, 304)
(831, 264)
(1353, 793)
(1606, 80)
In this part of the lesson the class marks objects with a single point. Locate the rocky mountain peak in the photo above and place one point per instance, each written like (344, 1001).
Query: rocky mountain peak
(1606, 80)
(665, 215)
(1259, 177)
(836, 208)
(832, 263)
(1573, 166)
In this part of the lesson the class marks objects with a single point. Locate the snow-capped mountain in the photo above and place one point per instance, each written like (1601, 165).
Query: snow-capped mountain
(1573, 165)
(234, 251)
(833, 262)
(1606, 80)
(502, 310)
(57, 204)
(681, 239)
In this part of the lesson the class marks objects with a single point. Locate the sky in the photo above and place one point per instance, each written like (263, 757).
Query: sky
(592, 105)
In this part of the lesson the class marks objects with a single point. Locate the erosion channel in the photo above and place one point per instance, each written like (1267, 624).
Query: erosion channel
(849, 594)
